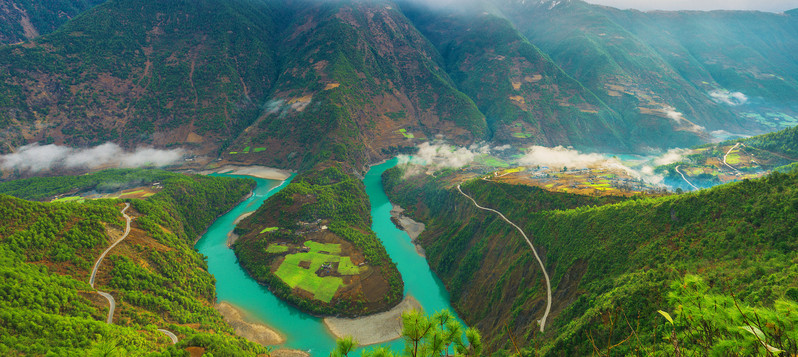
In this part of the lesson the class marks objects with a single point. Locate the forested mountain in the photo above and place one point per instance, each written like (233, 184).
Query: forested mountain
(157, 279)
(25, 20)
(354, 81)
(716, 261)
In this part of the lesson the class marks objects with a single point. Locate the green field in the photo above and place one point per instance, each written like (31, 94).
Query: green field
(276, 248)
(259, 149)
(488, 160)
(305, 278)
(522, 135)
(406, 134)
(70, 199)
(269, 229)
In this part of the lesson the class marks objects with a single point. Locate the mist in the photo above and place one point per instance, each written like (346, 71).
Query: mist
(723, 96)
(434, 156)
(37, 158)
(704, 5)
(439, 156)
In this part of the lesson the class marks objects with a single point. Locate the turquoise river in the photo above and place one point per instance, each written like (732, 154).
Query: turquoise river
(303, 331)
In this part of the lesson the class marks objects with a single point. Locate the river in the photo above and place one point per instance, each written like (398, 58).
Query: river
(303, 331)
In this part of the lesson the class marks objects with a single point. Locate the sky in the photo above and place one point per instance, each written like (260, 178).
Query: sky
(645, 5)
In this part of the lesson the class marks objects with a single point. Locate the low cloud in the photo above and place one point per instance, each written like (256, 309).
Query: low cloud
(679, 119)
(37, 158)
(673, 155)
(559, 156)
(445, 156)
(723, 96)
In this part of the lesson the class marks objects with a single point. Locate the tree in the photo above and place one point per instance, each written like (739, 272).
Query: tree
(426, 336)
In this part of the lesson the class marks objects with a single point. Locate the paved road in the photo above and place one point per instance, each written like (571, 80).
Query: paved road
(727, 154)
(107, 296)
(170, 334)
(542, 321)
(685, 178)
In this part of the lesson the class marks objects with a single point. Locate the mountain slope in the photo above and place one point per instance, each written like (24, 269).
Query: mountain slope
(608, 262)
(526, 98)
(358, 73)
(139, 72)
(26, 20)
(157, 279)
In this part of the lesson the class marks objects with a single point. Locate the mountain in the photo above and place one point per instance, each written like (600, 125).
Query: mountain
(733, 160)
(158, 280)
(356, 80)
(26, 20)
(295, 83)
(526, 97)
(716, 258)
(703, 71)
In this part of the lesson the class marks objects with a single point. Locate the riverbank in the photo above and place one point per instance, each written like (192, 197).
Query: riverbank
(232, 237)
(263, 172)
(411, 227)
(372, 329)
(255, 332)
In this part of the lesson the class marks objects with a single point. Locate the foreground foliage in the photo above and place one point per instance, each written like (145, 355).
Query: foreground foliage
(425, 336)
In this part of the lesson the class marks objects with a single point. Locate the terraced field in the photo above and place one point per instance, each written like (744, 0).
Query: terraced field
(315, 269)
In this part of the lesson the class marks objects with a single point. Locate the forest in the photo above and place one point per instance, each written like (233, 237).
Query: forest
(614, 264)
(47, 250)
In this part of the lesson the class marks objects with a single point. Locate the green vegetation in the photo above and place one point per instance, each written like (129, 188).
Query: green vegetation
(614, 265)
(112, 180)
(48, 249)
(425, 336)
(269, 229)
(43, 18)
(276, 248)
(325, 196)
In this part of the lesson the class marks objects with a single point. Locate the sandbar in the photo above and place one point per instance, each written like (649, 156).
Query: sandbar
(263, 172)
(411, 227)
(377, 328)
(255, 332)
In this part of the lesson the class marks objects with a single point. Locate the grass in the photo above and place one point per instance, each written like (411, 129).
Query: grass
(406, 134)
(269, 229)
(322, 288)
(522, 135)
(276, 248)
(259, 150)
(488, 160)
(329, 248)
(70, 199)
(233, 153)
(512, 171)
(246, 150)
(733, 159)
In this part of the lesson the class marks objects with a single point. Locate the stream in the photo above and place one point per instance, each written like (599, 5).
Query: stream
(303, 331)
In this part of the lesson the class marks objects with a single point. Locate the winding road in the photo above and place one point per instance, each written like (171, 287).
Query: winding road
(542, 321)
(685, 178)
(727, 154)
(109, 297)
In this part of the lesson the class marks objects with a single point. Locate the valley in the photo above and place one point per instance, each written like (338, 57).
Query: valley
(396, 178)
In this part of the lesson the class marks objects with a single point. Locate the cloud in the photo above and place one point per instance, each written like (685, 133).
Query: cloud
(673, 155)
(646, 5)
(559, 156)
(36, 158)
(723, 96)
(444, 156)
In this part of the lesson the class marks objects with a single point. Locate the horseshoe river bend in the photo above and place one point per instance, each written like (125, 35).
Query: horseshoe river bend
(300, 330)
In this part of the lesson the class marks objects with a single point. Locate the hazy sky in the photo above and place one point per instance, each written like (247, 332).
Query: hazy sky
(762, 5)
